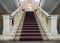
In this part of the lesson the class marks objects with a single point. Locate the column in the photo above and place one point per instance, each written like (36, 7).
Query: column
(53, 24)
(6, 25)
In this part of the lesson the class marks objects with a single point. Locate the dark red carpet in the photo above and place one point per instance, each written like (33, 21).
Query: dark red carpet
(30, 30)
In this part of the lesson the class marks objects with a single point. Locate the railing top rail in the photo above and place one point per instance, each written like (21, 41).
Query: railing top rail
(46, 14)
(17, 10)
(13, 14)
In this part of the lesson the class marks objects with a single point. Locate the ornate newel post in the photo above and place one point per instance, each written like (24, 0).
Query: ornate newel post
(6, 25)
(53, 24)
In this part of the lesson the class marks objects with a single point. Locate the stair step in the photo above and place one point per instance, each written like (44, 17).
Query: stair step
(30, 34)
(30, 19)
(29, 22)
(33, 19)
(30, 25)
(30, 31)
(18, 31)
(29, 28)
(30, 38)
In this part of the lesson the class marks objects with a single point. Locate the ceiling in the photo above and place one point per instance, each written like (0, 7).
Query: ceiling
(47, 5)
(50, 5)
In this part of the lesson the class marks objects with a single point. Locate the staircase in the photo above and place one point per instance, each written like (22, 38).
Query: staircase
(30, 30)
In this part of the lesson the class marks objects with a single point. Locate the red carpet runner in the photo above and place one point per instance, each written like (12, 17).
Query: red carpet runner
(30, 30)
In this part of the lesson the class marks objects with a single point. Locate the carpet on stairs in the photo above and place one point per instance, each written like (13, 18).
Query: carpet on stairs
(30, 30)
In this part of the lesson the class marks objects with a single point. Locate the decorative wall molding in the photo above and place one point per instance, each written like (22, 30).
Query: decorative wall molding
(55, 5)
(3, 5)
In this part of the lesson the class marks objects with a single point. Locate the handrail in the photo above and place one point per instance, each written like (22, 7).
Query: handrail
(43, 15)
(14, 13)
(41, 11)
(17, 10)
(16, 16)
(46, 14)
(44, 24)
(16, 21)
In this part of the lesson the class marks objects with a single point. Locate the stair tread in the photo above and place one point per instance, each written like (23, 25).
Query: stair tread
(30, 22)
(30, 30)
(30, 37)
(31, 33)
(29, 27)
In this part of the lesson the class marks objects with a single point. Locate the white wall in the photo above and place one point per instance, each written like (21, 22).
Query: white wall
(37, 1)
(22, 1)
(54, 24)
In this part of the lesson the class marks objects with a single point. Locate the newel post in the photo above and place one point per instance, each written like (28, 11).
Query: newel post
(53, 25)
(6, 25)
